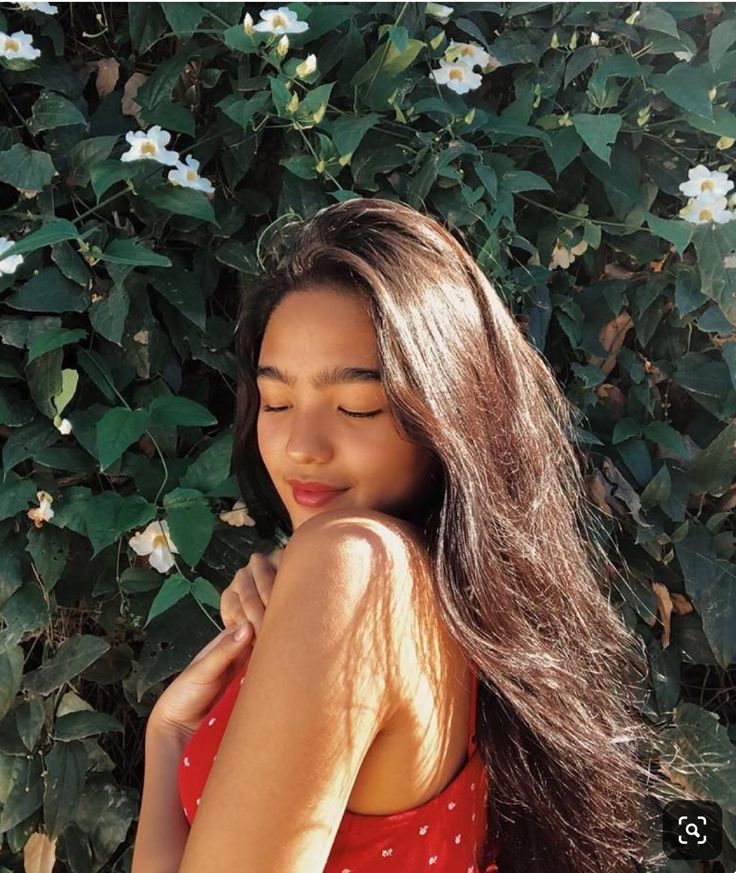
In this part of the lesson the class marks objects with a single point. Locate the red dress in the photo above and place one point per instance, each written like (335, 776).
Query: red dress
(447, 834)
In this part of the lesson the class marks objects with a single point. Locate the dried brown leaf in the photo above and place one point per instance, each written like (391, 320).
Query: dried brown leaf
(129, 106)
(664, 608)
(108, 73)
(39, 854)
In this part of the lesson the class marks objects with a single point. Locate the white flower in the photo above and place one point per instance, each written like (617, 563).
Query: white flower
(65, 426)
(283, 46)
(468, 53)
(44, 512)
(594, 38)
(685, 55)
(155, 542)
(440, 12)
(699, 212)
(281, 20)
(248, 24)
(725, 142)
(9, 264)
(307, 67)
(458, 77)
(187, 176)
(562, 256)
(18, 45)
(150, 146)
(702, 181)
(237, 516)
(37, 6)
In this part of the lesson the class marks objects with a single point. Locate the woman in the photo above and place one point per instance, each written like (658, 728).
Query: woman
(446, 567)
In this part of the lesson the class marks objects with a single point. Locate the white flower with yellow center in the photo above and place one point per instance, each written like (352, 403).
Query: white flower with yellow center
(458, 77)
(43, 512)
(187, 175)
(155, 542)
(440, 12)
(38, 6)
(237, 516)
(10, 264)
(18, 46)
(562, 256)
(150, 146)
(703, 182)
(698, 212)
(280, 21)
(468, 53)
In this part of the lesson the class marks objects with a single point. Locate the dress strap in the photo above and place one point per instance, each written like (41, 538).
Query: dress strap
(473, 712)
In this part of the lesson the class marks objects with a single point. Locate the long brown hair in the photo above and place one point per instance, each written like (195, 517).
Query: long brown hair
(520, 583)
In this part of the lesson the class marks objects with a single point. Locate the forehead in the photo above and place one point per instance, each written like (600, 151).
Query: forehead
(312, 327)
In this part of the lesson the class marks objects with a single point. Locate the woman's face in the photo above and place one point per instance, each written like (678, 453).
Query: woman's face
(311, 334)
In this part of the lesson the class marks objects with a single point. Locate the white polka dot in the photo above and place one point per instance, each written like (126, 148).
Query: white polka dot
(186, 762)
(198, 799)
(472, 786)
(214, 759)
(451, 804)
(211, 721)
(472, 817)
(458, 838)
(241, 682)
(470, 870)
(433, 859)
(186, 813)
(423, 830)
(386, 853)
(344, 869)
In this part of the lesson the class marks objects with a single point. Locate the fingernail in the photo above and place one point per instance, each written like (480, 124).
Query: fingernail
(240, 632)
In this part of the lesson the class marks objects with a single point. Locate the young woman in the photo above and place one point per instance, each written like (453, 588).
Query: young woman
(439, 682)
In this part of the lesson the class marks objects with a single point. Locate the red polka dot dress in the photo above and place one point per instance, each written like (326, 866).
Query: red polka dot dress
(447, 834)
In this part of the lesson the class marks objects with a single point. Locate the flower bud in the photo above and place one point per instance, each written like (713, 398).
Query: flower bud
(283, 46)
(594, 38)
(307, 67)
(725, 142)
(248, 24)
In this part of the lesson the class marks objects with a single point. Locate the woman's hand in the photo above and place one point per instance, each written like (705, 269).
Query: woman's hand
(246, 597)
(186, 701)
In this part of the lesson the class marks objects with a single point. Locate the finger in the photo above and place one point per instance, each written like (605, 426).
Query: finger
(231, 610)
(219, 653)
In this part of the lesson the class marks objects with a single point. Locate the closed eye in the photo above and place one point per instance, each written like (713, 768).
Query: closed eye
(344, 411)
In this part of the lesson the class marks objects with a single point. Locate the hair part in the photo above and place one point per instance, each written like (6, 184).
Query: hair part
(520, 584)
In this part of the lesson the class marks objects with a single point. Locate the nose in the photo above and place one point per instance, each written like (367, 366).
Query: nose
(307, 442)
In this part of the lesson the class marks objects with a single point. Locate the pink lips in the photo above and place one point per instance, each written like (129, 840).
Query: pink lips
(315, 495)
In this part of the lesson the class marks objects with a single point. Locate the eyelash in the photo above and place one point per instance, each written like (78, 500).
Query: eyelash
(345, 411)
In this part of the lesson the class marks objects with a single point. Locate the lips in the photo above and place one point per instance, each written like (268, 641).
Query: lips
(311, 486)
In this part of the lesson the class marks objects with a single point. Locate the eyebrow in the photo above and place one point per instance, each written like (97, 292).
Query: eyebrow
(328, 376)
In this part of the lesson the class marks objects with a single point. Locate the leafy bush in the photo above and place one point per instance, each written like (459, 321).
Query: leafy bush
(561, 164)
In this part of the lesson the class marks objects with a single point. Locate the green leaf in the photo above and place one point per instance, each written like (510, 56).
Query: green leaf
(564, 146)
(116, 430)
(212, 467)
(175, 410)
(130, 251)
(715, 245)
(206, 593)
(658, 489)
(25, 441)
(84, 723)
(701, 756)
(51, 110)
(54, 339)
(191, 522)
(48, 234)
(184, 18)
(722, 37)
(72, 658)
(108, 173)
(88, 153)
(714, 468)
(387, 60)
(723, 122)
(676, 231)
(242, 111)
(26, 169)
(653, 17)
(347, 132)
(14, 497)
(524, 180)
(49, 291)
(687, 86)
(665, 435)
(173, 589)
(181, 201)
(183, 290)
(624, 429)
(598, 132)
(11, 676)
(158, 86)
(66, 770)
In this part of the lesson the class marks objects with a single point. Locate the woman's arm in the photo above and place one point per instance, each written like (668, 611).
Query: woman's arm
(162, 827)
